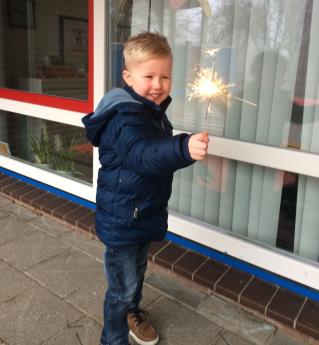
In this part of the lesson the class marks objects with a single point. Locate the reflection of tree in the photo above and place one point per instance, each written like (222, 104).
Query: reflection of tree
(258, 18)
(120, 19)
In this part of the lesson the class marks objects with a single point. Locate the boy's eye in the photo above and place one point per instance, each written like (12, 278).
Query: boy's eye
(148, 76)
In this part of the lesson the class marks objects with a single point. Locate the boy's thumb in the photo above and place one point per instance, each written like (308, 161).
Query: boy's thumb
(203, 136)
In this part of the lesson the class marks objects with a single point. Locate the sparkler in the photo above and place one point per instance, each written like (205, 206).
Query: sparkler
(208, 85)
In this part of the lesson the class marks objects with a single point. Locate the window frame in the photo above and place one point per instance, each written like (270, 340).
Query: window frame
(84, 106)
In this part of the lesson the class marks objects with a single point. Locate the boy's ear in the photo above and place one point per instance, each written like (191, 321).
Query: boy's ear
(127, 77)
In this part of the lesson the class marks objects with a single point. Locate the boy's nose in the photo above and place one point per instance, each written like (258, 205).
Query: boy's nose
(157, 83)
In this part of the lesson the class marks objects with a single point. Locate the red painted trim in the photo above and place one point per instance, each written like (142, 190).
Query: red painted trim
(84, 106)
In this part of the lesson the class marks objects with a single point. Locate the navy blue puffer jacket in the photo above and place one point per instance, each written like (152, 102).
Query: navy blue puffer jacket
(138, 155)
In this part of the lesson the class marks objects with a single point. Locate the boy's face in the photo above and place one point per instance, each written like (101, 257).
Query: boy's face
(151, 78)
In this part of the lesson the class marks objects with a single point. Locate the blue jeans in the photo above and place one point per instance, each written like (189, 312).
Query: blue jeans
(125, 267)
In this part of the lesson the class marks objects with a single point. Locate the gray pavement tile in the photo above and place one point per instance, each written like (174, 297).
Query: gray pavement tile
(4, 201)
(84, 331)
(49, 225)
(12, 228)
(86, 244)
(179, 325)
(13, 283)
(20, 211)
(282, 338)
(150, 296)
(90, 297)
(34, 316)
(175, 288)
(67, 272)
(27, 251)
(235, 319)
(229, 338)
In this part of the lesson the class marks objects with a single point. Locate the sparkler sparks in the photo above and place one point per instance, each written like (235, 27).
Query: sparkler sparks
(208, 85)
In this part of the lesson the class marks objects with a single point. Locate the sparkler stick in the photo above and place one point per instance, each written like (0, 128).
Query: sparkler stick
(208, 85)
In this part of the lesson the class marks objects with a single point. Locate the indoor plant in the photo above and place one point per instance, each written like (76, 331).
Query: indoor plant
(40, 146)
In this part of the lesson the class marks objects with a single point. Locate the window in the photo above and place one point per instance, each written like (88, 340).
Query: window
(266, 56)
(45, 51)
(49, 145)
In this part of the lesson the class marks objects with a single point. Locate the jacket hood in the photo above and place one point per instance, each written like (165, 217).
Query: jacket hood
(115, 100)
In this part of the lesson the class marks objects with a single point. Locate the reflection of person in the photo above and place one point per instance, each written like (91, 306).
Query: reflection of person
(138, 155)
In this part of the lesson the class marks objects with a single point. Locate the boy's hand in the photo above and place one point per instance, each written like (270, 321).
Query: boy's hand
(198, 145)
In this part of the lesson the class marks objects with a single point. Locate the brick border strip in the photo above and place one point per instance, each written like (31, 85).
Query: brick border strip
(272, 301)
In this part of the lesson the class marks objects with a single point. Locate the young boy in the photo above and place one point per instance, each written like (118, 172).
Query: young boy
(138, 155)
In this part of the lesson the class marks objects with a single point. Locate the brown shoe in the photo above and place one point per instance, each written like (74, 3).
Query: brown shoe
(140, 329)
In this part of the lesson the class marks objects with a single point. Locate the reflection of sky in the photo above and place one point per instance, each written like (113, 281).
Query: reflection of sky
(188, 26)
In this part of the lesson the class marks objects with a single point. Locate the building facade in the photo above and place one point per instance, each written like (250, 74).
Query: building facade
(255, 198)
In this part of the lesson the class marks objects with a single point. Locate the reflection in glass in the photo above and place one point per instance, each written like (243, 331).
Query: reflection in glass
(272, 207)
(269, 51)
(48, 145)
(44, 47)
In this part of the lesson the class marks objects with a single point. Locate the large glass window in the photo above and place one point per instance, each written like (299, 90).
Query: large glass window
(49, 145)
(260, 59)
(44, 47)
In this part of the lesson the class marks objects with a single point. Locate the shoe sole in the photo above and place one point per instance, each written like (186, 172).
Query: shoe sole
(142, 342)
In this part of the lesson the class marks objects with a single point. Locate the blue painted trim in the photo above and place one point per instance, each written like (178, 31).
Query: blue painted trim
(246, 267)
(209, 252)
(50, 189)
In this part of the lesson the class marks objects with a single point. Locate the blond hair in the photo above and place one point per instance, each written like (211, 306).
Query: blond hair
(145, 46)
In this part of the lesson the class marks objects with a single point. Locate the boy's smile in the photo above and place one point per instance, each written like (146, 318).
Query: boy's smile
(150, 79)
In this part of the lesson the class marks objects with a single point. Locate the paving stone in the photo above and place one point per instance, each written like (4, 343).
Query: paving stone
(36, 247)
(229, 338)
(150, 296)
(177, 324)
(90, 296)
(20, 211)
(49, 225)
(13, 283)
(67, 272)
(234, 319)
(176, 289)
(34, 316)
(12, 228)
(85, 331)
(84, 243)
(4, 201)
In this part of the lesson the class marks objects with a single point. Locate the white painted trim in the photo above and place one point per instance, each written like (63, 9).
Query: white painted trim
(100, 46)
(300, 162)
(266, 257)
(67, 117)
(50, 178)
(100, 70)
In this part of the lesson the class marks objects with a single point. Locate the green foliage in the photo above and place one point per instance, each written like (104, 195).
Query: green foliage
(40, 146)
(62, 155)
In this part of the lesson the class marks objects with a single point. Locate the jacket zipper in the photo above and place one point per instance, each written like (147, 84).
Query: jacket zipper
(135, 213)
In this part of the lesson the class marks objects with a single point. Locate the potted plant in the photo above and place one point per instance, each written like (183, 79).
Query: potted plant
(62, 154)
(40, 147)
